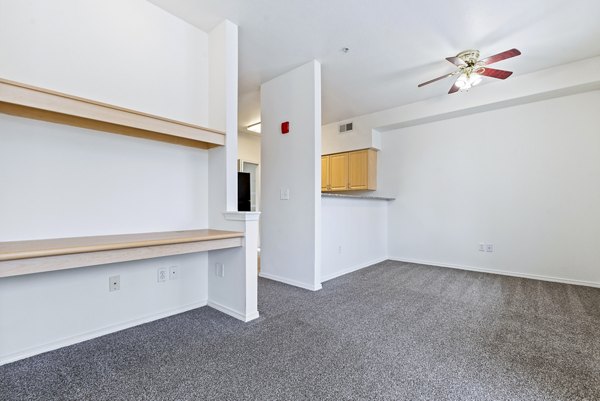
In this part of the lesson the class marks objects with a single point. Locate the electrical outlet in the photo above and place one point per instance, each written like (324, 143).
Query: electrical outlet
(173, 272)
(114, 283)
(481, 247)
(219, 270)
(162, 274)
(284, 194)
(489, 248)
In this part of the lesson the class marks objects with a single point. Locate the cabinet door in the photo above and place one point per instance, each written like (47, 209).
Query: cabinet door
(338, 172)
(324, 173)
(358, 175)
(362, 170)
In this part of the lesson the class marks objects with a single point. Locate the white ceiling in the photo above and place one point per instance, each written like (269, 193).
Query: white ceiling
(394, 44)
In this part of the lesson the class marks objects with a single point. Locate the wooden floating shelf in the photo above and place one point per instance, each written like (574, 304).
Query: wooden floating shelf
(37, 256)
(42, 104)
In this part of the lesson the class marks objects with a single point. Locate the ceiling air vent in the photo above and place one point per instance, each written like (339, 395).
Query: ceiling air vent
(346, 127)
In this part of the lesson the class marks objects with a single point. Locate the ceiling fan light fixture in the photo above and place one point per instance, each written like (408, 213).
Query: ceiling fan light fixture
(461, 82)
(470, 69)
(467, 81)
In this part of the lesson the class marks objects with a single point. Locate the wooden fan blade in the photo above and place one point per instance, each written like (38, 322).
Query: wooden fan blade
(454, 88)
(491, 72)
(499, 57)
(436, 79)
(456, 61)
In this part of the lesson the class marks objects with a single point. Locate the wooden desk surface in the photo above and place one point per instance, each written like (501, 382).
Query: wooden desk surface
(15, 250)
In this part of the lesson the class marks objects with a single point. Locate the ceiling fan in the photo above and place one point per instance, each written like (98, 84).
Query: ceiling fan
(470, 69)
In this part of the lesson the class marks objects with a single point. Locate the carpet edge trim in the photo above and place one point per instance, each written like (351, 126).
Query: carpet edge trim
(289, 281)
(353, 268)
(500, 272)
(232, 312)
(79, 338)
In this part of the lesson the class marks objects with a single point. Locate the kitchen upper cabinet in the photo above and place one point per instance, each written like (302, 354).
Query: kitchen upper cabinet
(325, 185)
(338, 172)
(349, 171)
(362, 170)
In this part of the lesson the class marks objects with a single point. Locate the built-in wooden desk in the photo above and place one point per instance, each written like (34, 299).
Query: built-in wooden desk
(27, 257)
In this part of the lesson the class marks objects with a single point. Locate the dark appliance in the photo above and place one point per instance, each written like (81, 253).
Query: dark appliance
(244, 204)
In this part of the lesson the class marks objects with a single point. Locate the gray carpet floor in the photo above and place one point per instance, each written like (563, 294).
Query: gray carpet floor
(393, 331)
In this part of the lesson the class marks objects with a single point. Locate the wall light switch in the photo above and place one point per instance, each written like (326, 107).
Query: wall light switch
(173, 272)
(489, 248)
(219, 270)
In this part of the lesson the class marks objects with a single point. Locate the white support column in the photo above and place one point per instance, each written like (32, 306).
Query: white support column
(291, 178)
(222, 114)
(235, 291)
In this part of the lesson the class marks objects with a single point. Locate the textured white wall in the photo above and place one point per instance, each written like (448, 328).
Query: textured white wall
(354, 234)
(361, 137)
(60, 181)
(50, 310)
(291, 229)
(127, 53)
(249, 147)
(524, 178)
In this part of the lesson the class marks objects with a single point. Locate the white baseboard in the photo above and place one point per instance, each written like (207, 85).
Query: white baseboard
(233, 313)
(295, 283)
(496, 271)
(28, 352)
(352, 269)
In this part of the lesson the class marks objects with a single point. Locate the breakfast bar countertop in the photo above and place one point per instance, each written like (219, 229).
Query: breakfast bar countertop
(330, 195)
